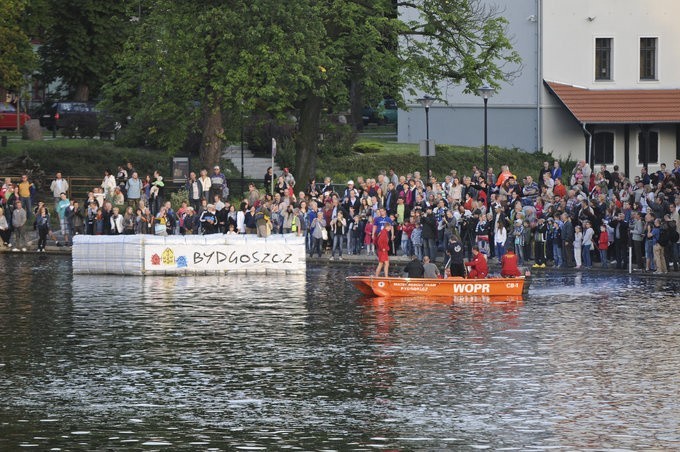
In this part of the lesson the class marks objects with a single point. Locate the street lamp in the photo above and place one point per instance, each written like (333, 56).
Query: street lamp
(427, 102)
(485, 92)
(242, 162)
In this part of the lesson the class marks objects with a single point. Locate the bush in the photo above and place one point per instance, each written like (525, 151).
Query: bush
(178, 197)
(447, 158)
(368, 147)
(337, 138)
(260, 129)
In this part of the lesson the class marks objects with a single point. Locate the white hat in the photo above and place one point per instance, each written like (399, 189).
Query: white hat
(350, 182)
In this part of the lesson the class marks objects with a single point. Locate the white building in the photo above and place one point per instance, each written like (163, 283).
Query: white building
(600, 81)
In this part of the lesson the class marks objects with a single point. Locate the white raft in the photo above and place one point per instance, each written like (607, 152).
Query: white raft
(187, 255)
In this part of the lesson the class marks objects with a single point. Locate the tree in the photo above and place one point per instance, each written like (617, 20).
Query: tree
(191, 64)
(16, 54)
(460, 42)
(81, 41)
(197, 67)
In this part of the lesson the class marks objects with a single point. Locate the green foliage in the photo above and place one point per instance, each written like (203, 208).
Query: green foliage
(187, 63)
(16, 55)
(336, 139)
(178, 197)
(285, 154)
(368, 147)
(464, 43)
(81, 41)
(447, 158)
(87, 158)
(260, 129)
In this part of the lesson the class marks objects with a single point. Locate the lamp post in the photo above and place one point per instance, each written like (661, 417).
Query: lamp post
(485, 92)
(427, 102)
(242, 163)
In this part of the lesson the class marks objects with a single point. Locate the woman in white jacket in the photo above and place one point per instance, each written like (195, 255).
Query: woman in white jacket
(500, 237)
(108, 185)
(578, 243)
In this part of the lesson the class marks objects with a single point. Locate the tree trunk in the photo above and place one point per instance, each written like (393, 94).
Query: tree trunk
(82, 93)
(307, 139)
(211, 143)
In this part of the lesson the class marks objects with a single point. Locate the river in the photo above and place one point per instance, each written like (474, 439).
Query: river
(302, 362)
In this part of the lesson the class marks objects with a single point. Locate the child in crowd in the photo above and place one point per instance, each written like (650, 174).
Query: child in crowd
(417, 241)
(368, 237)
(518, 234)
(603, 245)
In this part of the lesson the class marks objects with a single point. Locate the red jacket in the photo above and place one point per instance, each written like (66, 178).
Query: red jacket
(478, 263)
(603, 241)
(509, 265)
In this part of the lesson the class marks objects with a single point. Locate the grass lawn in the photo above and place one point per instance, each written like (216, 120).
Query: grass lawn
(83, 157)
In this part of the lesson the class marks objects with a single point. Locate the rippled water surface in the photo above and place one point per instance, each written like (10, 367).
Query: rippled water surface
(302, 362)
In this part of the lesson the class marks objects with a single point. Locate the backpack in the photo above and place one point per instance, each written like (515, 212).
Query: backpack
(673, 236)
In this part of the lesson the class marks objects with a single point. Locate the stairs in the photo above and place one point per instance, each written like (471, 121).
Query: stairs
(254, 167)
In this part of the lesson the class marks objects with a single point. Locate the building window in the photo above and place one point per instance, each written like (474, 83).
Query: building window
(648, 59)
(603, 58)
(603, 148)
(653, 148)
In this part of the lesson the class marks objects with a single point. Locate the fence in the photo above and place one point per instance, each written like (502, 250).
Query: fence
(80, 186)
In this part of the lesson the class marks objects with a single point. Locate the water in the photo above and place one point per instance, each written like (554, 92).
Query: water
(301, 362)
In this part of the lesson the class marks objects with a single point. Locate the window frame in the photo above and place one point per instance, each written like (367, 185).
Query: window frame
(609, 59)
(645, 60)
(613, 147)
(641, 163)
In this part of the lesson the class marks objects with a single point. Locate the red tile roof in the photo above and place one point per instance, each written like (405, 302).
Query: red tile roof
(619, 106)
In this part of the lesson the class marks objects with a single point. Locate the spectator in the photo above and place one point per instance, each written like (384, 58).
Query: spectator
(58, 186)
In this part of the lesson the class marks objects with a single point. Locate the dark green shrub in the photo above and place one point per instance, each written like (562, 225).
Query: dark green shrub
(368, 148)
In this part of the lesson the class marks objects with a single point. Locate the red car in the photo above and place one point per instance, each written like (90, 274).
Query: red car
(8, 116)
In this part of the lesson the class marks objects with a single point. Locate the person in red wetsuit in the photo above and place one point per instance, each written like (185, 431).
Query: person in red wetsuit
(382, 247)
(478, 266)
(509, 267)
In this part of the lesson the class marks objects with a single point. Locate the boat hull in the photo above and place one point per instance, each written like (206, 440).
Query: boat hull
(433, 287)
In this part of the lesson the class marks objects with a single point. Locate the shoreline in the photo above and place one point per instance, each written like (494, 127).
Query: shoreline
(396, 261)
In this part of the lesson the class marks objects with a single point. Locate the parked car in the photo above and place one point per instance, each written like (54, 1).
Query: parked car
(383, 113)
(77, 119)
(8, 116)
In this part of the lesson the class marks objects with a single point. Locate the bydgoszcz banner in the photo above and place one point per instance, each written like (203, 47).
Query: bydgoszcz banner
(223, 258)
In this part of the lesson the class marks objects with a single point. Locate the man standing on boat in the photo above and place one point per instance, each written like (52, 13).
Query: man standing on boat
(478, 266)
(382, 247)
(456, 260)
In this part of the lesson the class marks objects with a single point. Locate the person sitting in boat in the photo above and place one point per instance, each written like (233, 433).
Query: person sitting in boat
(456, 261)
(509, 264)
(414, 269)
(478, 266)
(431, 270)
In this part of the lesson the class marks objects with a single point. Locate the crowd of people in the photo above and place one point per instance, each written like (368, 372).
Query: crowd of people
(578, 219)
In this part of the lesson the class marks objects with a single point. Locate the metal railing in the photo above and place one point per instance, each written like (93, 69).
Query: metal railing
(80, 186)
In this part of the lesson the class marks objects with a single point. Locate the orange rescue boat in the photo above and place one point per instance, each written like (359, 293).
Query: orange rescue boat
(373, 286)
